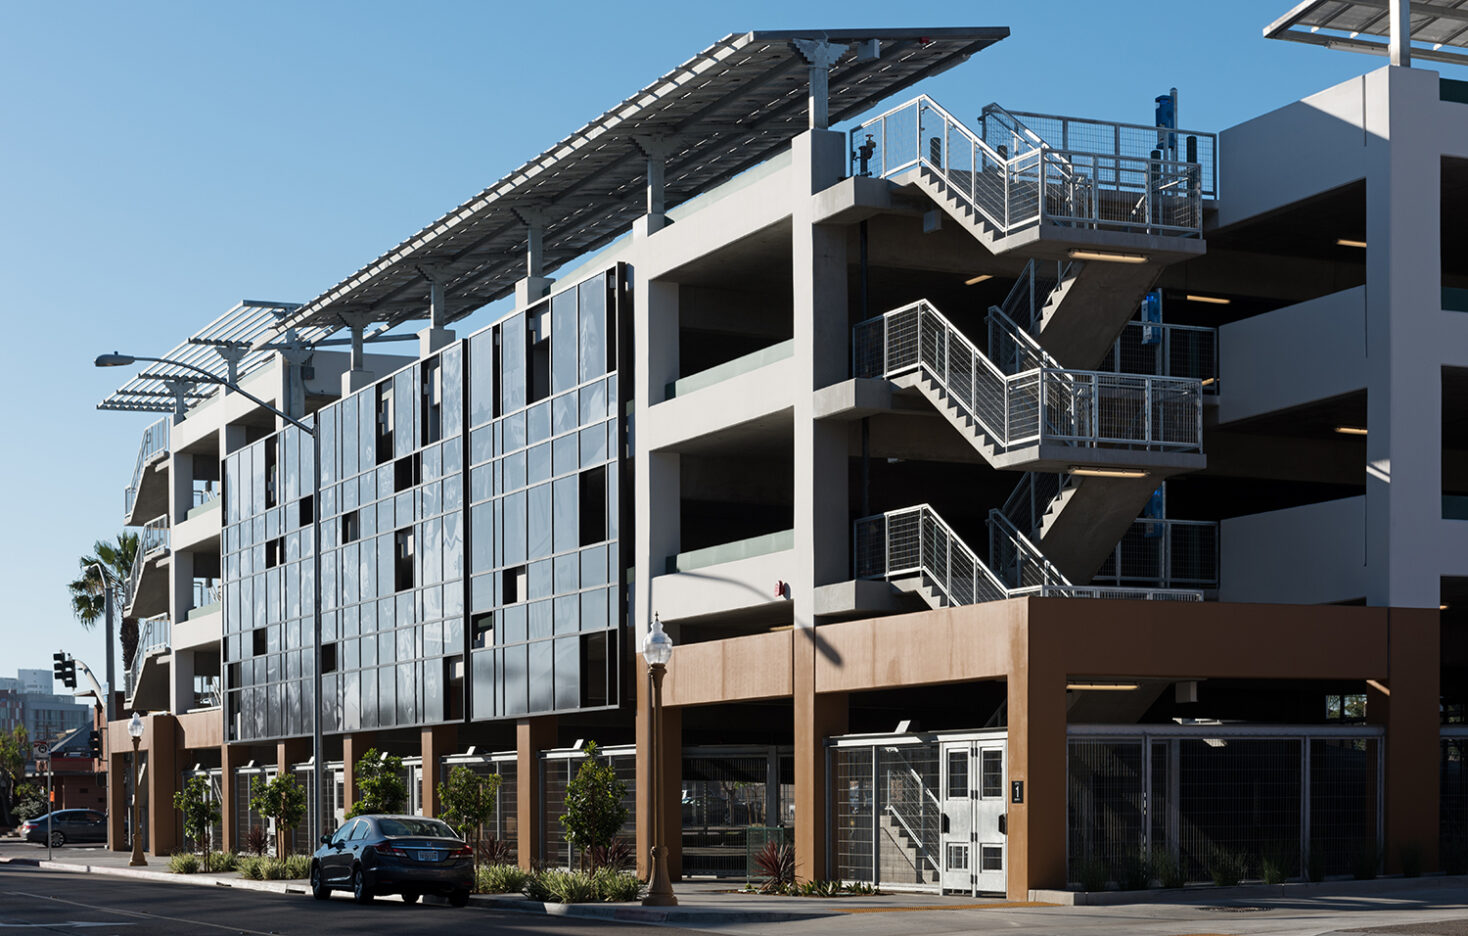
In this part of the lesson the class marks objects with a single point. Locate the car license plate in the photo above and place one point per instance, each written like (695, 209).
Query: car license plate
(430, 855)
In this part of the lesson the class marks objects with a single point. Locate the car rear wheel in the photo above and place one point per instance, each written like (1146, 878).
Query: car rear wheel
(410, 897)
(319, 890)
(57, 839)
(361, 893)
(459, 898)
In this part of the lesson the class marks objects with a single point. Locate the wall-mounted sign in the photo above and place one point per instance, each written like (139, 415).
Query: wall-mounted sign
(1016, 791)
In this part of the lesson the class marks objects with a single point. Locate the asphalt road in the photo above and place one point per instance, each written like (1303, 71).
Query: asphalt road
(50, 902)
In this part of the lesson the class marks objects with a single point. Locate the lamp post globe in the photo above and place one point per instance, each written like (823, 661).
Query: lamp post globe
(135, 731)
(657, 650)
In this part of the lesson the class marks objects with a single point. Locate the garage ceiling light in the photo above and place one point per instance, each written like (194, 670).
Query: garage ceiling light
(976, 280)
(1347, 242)
(1351, 430)
(1212, 300)
(1106, 257)
(1107, 472)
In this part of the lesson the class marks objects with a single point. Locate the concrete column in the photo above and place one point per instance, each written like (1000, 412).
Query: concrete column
(656, 508)
(117, 781)
(181, 663)
(1399, 45)
(1036, 706)
(439, 742)
(161, 783)
(231, 758)
(231, 439)
(532, 735)
(353, 747)
(672, 780)
(1408, 707)
(1404, 347)
(817, 717)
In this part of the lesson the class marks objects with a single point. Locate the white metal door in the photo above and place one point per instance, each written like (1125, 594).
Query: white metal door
(956, 835)
(990, 832)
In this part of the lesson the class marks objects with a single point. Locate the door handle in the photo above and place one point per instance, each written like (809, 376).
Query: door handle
(943, 826)
(1003, 823)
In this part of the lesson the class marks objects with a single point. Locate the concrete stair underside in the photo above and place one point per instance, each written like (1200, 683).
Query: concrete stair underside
(1087, 519)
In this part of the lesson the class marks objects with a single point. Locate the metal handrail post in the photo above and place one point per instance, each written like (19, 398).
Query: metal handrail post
(1147, 410)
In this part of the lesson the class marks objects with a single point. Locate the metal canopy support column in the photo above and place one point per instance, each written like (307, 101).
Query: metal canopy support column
(1400, 46)
(358, 376)
(656, 149)
(437, 334)
(820, 55)
(534, 285)
(180, 390)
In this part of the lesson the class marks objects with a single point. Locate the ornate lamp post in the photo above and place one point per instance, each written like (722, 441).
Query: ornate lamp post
(135, 729)
(657, 652)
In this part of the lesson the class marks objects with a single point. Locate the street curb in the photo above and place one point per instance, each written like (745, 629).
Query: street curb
(624, 913)
(635, 913)
(1208, 894)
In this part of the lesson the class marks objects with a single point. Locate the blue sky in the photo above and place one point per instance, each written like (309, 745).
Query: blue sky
(161, 161)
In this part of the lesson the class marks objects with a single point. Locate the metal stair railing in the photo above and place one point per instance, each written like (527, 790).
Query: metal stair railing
(1028, 503)
(1012, 347)
(1164, 553)
(1166, 350)
(1085, 135)
(1027, 297)
(154, 635)
(1046, 404)
(1017, 561)
(154, 444)
(153, 540)
(905, 779)
(914, 541)
(1015, 191)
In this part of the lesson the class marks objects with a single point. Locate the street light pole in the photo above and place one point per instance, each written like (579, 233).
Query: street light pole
(135, 729)
(107, 605)
(316, 812)
(657, 651)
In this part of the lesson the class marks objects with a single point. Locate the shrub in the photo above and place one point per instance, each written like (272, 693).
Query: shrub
(183, 863)
(1165, 866)
(777, 863)
(220, 861)
(500, 878)
(298, 866)
(1093, 875)
(1135, 872)
(594, 811)
(860, 888)
(256, 841)
(613, 884)
(493, 851)
(1411, 855)
(537, 887)
(820, 889)
(1278, 863)
(1227, 868)
(380, 789)
(1365, 860)
(250, 869)
(616, 856)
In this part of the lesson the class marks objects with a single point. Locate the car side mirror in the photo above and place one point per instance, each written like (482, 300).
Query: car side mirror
(325, 840)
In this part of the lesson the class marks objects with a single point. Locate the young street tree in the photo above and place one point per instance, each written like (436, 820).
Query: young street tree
(199, 811)
(468, 802)
(282, 799)
(14, 752)
(380, 789)
(594, 810)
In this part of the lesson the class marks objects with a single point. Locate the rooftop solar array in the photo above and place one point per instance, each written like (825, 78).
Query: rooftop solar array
(1439, 26)
(730, 107)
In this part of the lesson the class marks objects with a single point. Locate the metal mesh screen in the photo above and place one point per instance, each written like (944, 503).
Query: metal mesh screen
(886, 813)
(852, 797)
(1344, 777)
(729, 809)
(556, 772)
(1239, 798)
(1453, 803)
(503, 825)
(1105, 802)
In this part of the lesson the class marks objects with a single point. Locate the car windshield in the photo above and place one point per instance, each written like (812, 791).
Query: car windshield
(415, 827)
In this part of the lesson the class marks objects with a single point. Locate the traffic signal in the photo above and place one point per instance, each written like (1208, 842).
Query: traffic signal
(58, 666)
(94, 744)
(68, 673)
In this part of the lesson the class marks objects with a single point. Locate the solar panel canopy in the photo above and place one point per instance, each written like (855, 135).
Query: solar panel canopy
(1441, 26)
(730, 107)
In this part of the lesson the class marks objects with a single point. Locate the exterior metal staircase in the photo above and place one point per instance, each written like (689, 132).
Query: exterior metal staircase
(917, 552)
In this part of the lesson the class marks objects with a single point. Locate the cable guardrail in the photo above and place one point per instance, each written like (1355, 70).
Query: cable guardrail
(1085, 409)
(154, 444)
(1013, 191)
(999, 126)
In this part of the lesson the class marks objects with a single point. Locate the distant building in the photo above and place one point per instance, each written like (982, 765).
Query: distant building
(27, 700)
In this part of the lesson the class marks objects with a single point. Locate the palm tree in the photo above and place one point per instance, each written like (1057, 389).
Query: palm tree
(88, 595)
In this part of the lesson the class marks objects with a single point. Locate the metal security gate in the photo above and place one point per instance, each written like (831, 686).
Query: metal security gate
(920, 812)
(1304, 800)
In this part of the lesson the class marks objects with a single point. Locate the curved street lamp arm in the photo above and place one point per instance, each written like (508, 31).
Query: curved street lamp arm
(232, 385)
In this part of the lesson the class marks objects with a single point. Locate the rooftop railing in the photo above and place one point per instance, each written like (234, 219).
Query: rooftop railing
(1019, 130)
(1013, 191)
(153, 446)
(1045, 404)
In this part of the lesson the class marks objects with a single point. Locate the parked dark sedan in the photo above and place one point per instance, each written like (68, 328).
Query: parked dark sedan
(67, 826)
(406, 855)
